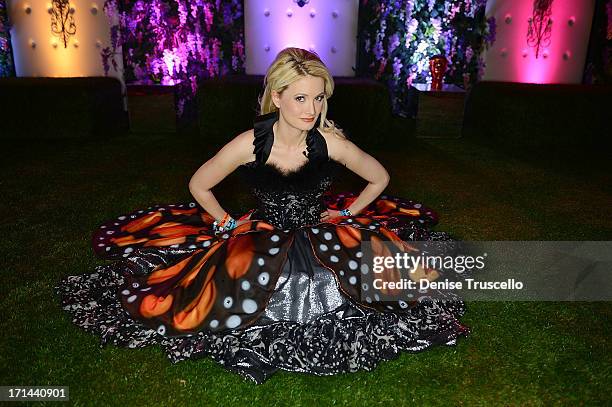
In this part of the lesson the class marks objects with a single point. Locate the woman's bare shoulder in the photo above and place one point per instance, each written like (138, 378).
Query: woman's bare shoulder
(246, 138)
(335, 133)
(336, 142)
(240, 148)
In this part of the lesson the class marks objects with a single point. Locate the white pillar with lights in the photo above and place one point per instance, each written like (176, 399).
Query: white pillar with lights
(327, 27)
(61, 38)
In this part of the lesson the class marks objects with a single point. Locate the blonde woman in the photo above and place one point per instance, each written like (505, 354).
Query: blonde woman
(286, 285)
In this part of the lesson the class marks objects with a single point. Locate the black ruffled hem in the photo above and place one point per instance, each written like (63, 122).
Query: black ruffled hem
(345, 340)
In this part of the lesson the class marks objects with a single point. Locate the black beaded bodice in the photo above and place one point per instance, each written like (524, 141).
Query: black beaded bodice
(291, 200)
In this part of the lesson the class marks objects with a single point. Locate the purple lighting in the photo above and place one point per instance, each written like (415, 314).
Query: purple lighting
(178, 42)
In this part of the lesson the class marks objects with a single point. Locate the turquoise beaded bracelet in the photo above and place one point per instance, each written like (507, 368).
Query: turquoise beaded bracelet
(230, 224)
(345, 212)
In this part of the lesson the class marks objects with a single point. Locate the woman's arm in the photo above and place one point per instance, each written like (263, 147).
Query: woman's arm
(362, 164)
(233, 154)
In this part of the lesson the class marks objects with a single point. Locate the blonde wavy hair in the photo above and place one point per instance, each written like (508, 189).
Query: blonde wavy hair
(290, 65)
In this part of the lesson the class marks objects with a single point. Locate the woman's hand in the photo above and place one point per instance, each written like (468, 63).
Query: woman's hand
(361, 163)
(329, 214)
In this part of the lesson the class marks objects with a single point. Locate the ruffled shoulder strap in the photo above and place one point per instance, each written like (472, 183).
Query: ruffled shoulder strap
(262, 127)
(316, 144)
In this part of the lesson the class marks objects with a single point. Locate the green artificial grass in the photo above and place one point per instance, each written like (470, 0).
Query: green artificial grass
(55, 193)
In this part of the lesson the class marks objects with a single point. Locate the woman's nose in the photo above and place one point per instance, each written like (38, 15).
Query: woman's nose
(311, 109)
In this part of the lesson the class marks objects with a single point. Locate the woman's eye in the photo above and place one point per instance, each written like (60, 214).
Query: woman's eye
(301, 98)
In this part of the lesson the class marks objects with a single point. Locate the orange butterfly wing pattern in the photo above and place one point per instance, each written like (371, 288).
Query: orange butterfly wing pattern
(408, 219)
(183, 226)
(223, 286)
(225, 281)
(341, 247)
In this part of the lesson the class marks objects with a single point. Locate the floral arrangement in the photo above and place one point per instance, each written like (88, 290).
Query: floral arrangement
(175, 42)
(6, 56)
(400, 37)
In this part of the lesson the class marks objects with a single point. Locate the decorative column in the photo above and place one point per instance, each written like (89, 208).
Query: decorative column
(539, 41)
(61, 38)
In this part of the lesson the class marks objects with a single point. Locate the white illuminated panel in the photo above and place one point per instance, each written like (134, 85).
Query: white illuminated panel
(327, 27)
(39, 53)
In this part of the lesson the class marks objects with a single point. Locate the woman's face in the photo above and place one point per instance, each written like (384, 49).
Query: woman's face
(303, 99)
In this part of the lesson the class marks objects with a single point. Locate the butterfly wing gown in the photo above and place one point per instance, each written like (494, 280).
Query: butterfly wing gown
(281, 291)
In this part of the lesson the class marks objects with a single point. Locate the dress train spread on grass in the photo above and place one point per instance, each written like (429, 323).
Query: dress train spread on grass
(282, 291)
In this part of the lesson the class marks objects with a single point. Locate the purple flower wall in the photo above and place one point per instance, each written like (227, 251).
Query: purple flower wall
(183, 41)
(176, 42)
